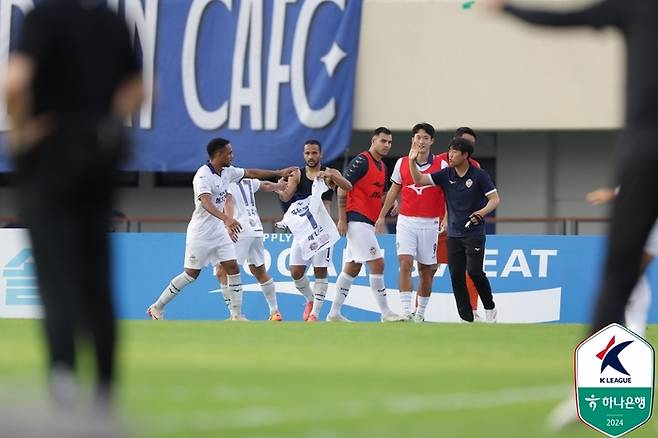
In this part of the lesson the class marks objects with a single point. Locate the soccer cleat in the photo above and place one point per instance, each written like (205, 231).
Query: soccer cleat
(392, 317)
(336, 318)
(307, 310)
(275, 316)
(239, 317)
(408, 316)
(491, 315)
(418, 318)
(312, 318)
(476, 317)
(155, 313)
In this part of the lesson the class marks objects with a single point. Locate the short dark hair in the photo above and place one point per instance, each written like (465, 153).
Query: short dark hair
(425, 127)
(381, 130)
(216, 144)
(462, 145)
(315, 142)
(465, 130)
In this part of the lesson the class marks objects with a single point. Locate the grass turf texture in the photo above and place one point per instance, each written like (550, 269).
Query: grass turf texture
(259, 379)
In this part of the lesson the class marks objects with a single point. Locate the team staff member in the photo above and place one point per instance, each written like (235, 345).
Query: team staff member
(358, 211)
(636, 207)
(470, 196)
(442, 249)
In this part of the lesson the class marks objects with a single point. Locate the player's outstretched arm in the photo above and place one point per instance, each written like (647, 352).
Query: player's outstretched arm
(267, 186)
(291, 188)
(338, 179)
(601, 196)
(267, 174)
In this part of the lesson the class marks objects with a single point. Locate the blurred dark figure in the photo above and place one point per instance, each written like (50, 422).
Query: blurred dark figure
(636, 207)
(71, 81)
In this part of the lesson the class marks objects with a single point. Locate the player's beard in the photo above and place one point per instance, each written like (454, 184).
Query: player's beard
(315, 165)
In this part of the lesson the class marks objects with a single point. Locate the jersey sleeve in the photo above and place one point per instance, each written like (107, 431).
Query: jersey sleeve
(356, 169)
(202, 183)
(255, 185)
(236, 174)
(603, 13)
(396, 177)
(440, 178)
(486, 185)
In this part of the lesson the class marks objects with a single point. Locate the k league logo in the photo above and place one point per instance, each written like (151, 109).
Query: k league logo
(614, 380)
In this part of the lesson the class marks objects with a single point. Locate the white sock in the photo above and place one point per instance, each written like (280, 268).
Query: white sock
(304, 287)
(422, 305)
(405, 299)
(319, 292)
(226, 293)
(379, 290)
(343, 285)
(235, 289)
(175, 286)
(637, 308)
(269, 291)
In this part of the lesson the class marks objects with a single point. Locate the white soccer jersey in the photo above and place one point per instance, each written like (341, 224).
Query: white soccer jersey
(245, 207)
(203, 226)
(310, 223)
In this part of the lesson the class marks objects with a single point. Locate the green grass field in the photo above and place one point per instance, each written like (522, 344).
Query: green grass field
(221, 379)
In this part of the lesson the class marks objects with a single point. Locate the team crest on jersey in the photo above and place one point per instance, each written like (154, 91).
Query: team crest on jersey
(469, 183)
(313, 246)
(373, 250)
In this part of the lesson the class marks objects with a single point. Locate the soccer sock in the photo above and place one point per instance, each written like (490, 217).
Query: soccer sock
(175, 286)
(405, 299)
(343, 285)
(379, 290)
(235, 289)
(422, 305)
(269, 291)
(637, 308)
(226, 293)
(319, 293)
(304, 287)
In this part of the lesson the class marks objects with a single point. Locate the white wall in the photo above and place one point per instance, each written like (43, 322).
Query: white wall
(432, 60)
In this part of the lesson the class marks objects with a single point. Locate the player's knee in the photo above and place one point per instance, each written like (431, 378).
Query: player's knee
(377, 266)
(406, 264)
(297, 272)
(259, 272)
(320, 272)
(194, 273)
(231, 267)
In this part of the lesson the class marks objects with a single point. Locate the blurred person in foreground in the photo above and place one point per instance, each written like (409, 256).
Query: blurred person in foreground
(70, 83)
(636, 207)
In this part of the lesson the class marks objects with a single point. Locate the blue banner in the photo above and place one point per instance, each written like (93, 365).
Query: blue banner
(534, 279)
(267, 75)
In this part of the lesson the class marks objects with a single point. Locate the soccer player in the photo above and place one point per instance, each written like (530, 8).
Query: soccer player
(241, 204)
(207, 239)
(358, 211)
(299, 187)
(421, 210)
(442, 250)
(470, 195)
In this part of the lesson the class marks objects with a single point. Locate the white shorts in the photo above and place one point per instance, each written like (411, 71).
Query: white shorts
(651, 245)
(250, 249)
(199, 254)
(362, 245)
(418, 243)
(320, 260)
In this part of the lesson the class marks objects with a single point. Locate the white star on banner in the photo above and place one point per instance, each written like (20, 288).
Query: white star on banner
(333, 58)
